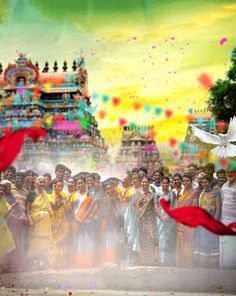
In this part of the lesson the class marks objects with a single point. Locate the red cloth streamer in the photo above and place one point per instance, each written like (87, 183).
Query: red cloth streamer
(11, 143)
(194, 216)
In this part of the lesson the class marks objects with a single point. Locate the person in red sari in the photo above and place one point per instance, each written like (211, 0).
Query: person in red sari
(184, 246)
(85, 212)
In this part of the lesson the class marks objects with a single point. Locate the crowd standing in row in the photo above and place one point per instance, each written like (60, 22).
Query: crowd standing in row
(81, 222)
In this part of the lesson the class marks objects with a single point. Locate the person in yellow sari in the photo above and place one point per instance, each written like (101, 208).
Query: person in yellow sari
(184, 244)
(7, 243)
(60, 226)
(85, 212)
(40, 233)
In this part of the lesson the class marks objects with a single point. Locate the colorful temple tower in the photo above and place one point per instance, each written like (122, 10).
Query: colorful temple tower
(195, 151)
(57, 101)
(138, 148)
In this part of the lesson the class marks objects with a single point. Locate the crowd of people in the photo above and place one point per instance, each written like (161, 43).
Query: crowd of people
(79, 221)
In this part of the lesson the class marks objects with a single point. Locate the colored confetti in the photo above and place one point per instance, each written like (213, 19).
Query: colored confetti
(223, 40)
(147, 108)
(168, 113)
(151, 133)
(137, 106)
(175, 153)
(157, 111)
(202, 154)
(221, 125)
(205, 81)
(172, 142)
(132, 125)
(150, 148)
(116, 101)
(182, 146)
(102, 114)
(223, 162)
(105, 98)
(122, 121)
(232, 165)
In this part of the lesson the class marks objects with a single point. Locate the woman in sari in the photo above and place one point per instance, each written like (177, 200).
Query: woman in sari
(40, 233)
(166, 229)
(7, 242)
(206, 244)
(15, 260)
(29, 180)
(110, 226)
(146, 224)
(48, 183)
(177, 184)
(85, 213)
(60, 227)
(184, 250)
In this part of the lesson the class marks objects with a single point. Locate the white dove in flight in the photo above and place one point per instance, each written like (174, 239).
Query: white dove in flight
(224, 148)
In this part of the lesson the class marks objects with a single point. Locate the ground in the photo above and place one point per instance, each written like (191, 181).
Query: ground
(137, 281)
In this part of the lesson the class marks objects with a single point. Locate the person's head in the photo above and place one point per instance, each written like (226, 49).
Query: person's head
(29, 177)
(7, 185)
(71, 184)
(221, 177)
(200, 169)
(199, 178)
(165, 183)
(81, 184)
(35, 176)
(2, 191)
(157, 176)
(134, 172)
(10, 173)
(60, 171)
(187, 181)
(67, 174)
(177, 180)
(209, 169)
(57, 186)
(97, 178)
(206, 182)
(110, 189)
(142, 172)
(48, 180)
(40, 183)
(192, 169)
(20, 179)
(90, 181)
(135, 181)
(126, 181)
(145, 182)
(231, 174)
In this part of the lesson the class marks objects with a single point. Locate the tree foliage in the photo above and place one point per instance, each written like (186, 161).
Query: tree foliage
(222, 101)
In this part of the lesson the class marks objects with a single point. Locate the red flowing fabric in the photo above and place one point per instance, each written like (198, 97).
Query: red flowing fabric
(11, 143)
(194, 216)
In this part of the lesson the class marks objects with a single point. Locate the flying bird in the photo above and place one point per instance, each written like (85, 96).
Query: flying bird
(224, 147)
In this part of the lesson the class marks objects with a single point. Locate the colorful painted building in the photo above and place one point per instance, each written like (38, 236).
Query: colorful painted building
(138, 148)
(57, 99)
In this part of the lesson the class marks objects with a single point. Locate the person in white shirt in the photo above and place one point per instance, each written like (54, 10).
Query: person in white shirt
(228, 243)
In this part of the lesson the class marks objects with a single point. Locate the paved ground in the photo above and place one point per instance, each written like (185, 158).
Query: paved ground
(160, 280)
(43, 292)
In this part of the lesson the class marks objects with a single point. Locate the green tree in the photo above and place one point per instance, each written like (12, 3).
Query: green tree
(222, 101)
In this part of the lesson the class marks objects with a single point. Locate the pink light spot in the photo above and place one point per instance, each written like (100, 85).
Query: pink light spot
(223, 40)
